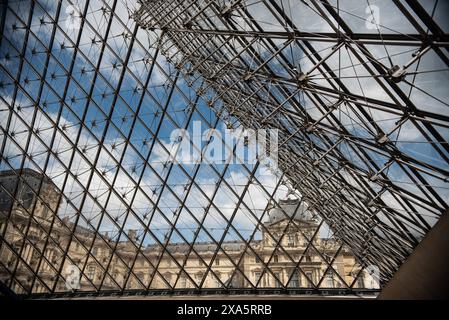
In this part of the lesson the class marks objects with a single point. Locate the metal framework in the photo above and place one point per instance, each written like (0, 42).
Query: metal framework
(90, 92)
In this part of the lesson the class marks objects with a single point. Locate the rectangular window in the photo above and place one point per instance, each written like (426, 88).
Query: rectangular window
(360, 282)
(309, 275)
(91, 272)
(294, 281)
(217, 280)
(182, 282)
(167, 277)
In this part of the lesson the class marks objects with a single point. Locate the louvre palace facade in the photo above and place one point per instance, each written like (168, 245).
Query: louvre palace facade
(40, 237)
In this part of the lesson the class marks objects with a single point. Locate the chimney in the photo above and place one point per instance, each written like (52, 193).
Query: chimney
(66, 220)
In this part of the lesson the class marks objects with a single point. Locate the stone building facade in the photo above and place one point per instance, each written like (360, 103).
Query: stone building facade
(35, 245)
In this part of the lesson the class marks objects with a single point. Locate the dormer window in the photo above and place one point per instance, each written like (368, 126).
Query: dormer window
(291, 240)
